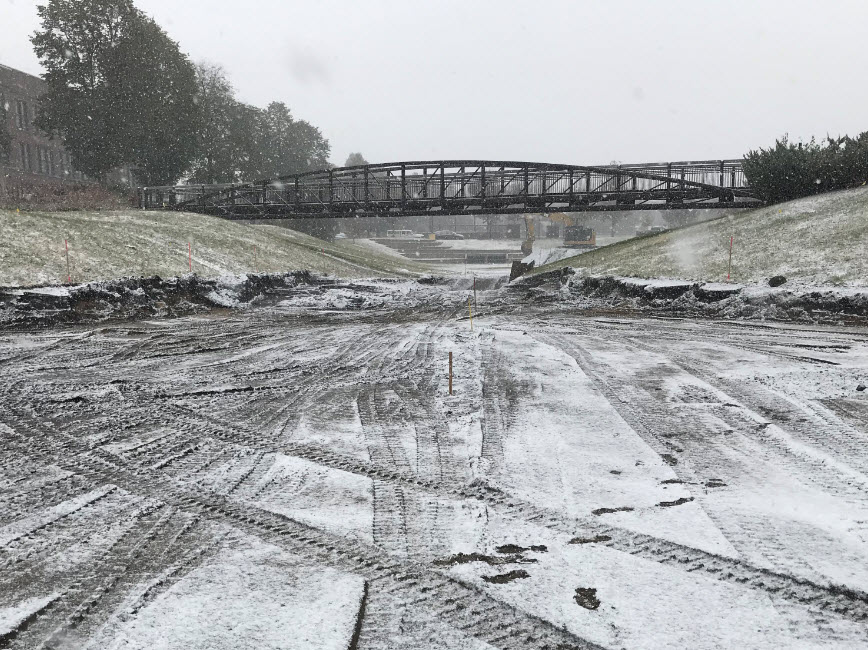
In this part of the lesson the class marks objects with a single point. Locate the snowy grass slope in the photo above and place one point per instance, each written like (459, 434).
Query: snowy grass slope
(821, 240)
(107, 245)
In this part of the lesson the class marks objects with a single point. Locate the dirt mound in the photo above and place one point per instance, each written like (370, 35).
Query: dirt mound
(684, 298)
(129, 298)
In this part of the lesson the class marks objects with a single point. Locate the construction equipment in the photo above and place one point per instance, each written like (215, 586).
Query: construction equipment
(574, 236)
(527, 244)
(561, 217)
(580, 237)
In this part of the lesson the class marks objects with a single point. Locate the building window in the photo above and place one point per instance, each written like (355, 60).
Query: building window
(22, 115)
(24, 150)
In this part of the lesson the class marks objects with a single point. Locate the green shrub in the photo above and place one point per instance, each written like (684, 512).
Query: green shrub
(789, 171)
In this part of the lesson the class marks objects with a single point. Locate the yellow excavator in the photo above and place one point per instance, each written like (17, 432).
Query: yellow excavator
(574, 236)
(527, 244)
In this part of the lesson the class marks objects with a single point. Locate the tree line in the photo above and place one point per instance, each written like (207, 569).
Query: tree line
(790, 171)
(121, 92)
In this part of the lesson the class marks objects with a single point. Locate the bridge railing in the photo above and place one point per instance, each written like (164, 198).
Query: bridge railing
(456, 185)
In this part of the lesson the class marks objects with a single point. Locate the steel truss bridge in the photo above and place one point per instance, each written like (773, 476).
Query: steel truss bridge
(466, 187)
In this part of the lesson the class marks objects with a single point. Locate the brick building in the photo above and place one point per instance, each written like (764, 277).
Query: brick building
(33, 156)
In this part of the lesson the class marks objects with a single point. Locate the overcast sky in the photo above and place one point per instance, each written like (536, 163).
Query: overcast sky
(542, 80)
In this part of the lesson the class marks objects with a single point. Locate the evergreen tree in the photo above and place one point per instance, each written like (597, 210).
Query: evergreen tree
(788, 171)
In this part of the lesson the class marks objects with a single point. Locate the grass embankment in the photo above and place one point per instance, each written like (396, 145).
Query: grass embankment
(820, 240)
(107, 245)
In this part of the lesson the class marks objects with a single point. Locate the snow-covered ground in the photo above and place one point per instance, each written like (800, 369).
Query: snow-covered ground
(109, 245)
(298, 476)
(819, 240)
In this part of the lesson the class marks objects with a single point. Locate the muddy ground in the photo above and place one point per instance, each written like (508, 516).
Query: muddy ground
(297, 475)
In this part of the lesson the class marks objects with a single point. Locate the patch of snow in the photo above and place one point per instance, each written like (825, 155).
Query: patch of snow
(11, 617)
(251, 596)
(26, 525)
(224, 298)
(49, 291)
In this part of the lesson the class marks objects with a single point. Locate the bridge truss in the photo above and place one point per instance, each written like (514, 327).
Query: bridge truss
(466, 187)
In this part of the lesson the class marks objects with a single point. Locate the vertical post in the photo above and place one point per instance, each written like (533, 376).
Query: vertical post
(297, 197)
(367, 194)
(255, 265)
(470, 311)
(474, 292)
(729, 268)
(68, 272)
(331, 192)
(571, 188)
(443, 185)
(403, 187)
(190, 255)
(668, 181)
(482, 195)
(450, 373)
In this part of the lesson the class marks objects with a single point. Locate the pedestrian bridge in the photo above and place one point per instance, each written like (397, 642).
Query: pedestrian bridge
(466, 187)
